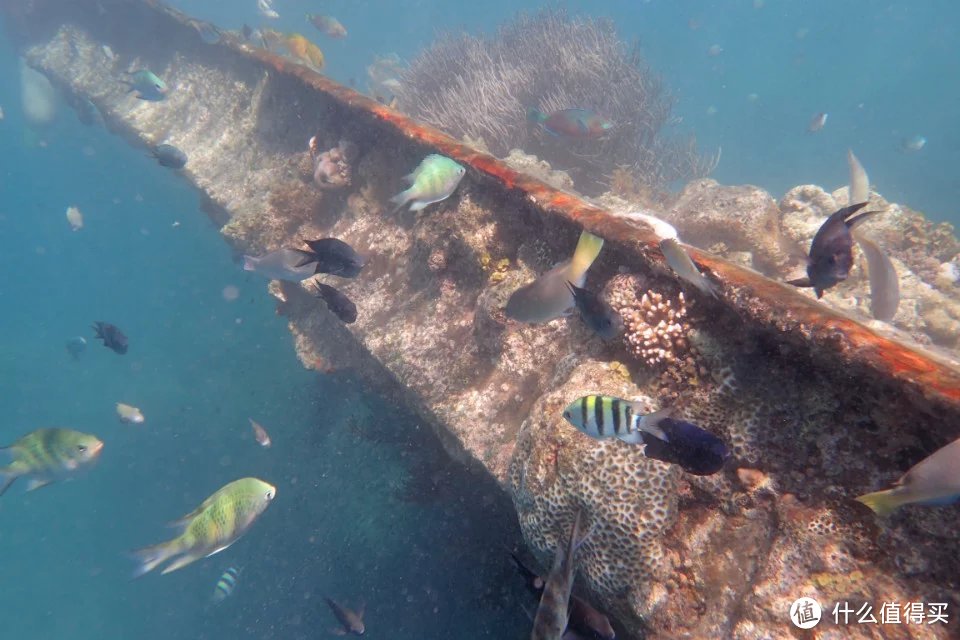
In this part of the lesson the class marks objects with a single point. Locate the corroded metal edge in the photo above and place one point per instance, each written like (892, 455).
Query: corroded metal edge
(750, 295)
(753, 295)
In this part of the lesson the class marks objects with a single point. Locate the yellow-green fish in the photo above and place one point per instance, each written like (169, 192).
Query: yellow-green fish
(434, 179)
(210, 528)
(550, 295)
(48, 455)
(935, 480)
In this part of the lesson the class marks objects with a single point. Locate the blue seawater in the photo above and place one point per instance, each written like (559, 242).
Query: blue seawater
(367, 507)
(883, 73)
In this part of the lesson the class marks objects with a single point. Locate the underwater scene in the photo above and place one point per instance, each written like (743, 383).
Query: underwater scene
(425, 319)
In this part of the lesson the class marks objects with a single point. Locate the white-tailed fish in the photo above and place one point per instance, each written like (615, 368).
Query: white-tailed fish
(550, 296)
(935, 480)
(259, 433)
(913, 144)
(282, 264)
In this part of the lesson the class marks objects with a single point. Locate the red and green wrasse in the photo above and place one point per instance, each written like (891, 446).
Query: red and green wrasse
(571, 123)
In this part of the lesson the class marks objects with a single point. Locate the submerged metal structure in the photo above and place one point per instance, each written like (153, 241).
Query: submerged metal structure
(818, 407)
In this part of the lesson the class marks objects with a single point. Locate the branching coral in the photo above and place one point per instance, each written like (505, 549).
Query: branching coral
(482, 87)
(655, 327)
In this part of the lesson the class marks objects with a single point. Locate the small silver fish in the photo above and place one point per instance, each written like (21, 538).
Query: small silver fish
(913, 144)
(259, 433)
(265, 7)
(816, 124)
(281, 264)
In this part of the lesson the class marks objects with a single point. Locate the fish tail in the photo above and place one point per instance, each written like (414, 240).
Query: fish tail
(588, 248)
(7, 476)
(536, 116)
(402, 199)
(651, 421)
(149, 558)
(249, 264)
(883, 503)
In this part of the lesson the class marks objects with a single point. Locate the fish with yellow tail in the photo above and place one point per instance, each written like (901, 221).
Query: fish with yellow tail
(550, 295)
(210, 528)
(553, 611)
(47, 455)
(934, 481)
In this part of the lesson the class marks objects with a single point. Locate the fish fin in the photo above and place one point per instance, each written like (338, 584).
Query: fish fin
(800, 282)
(650, 422)
(305, 258)
(858, 219)
(37, 483)
(401, 199)
(940, 502)
(6, 479)
(148, 558)
(588, 248)
(410, 178)
(883, 503)
(181, 562)
(337, 631)
(634, 437)
(419, 205)
(249, 264)
(361, 608)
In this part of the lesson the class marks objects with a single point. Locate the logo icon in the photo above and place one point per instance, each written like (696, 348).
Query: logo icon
(805, 613)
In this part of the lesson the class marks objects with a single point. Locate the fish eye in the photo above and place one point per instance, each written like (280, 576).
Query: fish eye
(81, 448)
(566, 414)
(269, 495)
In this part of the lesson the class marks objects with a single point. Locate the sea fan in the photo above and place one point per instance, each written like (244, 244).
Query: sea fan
(481, 87)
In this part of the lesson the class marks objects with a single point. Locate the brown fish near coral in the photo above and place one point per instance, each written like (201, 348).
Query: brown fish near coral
(553, 612)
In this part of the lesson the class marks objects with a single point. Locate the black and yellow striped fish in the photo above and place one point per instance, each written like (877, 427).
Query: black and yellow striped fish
(47, 455)
(678, 442)
(226, 584)
(608, 417)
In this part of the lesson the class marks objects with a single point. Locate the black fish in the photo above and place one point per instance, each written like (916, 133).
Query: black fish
(170, 156)
(695, 450)
(831, 252)
(596, 313)
(337, 302)
(584, 621)
(351, 622)
(112, 337)
(333, 256)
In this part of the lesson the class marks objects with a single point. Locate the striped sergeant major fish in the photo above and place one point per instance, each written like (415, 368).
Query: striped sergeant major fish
(554, 609)
(226, 584)
(675, 441)
(47, 455)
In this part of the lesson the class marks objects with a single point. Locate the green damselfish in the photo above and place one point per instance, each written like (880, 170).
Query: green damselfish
(433, 180)
(210, 528)
(47, 455)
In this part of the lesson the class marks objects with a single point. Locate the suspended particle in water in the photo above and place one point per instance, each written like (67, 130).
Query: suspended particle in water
(230, 293)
